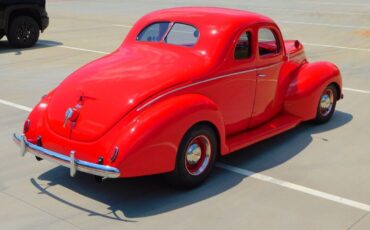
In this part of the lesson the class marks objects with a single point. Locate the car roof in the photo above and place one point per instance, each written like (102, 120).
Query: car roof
(217, 16)
(217, 26)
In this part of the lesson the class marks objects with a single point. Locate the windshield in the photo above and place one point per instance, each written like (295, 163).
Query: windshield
(171, 33)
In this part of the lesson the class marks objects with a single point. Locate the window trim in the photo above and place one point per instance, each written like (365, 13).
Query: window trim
(248, 30)
(277, 39)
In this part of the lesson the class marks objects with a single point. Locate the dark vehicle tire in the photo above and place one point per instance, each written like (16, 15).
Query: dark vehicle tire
(23, 32)
(326, 105)
(195, 158)
(1, 35)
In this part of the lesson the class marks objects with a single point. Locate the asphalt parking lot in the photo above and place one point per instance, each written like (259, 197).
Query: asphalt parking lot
(312, 177)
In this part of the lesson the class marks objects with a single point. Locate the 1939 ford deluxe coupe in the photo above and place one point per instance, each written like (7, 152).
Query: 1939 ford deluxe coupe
(187, 85)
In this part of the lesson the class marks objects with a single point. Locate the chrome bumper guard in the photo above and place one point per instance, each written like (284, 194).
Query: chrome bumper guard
(71, 162)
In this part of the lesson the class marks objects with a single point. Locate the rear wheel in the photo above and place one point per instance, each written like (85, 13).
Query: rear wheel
(327, 103)
(23, 32)
(195, 158)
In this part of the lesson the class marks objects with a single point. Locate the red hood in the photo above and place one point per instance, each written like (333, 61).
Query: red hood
(113, 85)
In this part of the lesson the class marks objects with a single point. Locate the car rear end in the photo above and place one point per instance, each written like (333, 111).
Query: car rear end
(295, 51)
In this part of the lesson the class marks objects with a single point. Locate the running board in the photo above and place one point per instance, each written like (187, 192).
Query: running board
(276, 126)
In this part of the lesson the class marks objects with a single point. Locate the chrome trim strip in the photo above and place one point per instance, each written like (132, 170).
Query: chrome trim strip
(67, 161)
(204, 81)
(269, 66)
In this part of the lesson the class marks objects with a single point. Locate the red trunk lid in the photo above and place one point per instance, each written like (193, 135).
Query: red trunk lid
(105, 90)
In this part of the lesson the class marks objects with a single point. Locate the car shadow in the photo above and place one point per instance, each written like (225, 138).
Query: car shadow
(148, 196)
(6, 48)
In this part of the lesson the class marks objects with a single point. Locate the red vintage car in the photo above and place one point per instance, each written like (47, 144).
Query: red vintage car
(187, 85)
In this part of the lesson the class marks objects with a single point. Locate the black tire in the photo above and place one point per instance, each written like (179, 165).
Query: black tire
(185, 176)
(326, 104)
(1, 35)
(23, 32)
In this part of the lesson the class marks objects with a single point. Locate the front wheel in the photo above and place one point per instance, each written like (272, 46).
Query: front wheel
(327, 103)
(23, 32)
(195, 158)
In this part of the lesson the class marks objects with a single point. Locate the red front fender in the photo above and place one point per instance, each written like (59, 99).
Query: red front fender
(306, 88)
(148, 144)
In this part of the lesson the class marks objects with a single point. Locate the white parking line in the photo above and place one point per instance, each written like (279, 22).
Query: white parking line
(356, 90)
(261, 177)
(14, 105)
(323, 24)
(308, 11)
(296, 187)
(336, 47)
(305, 43)
(121, 25)
(336, 3)
(124, 26)
(72, 48)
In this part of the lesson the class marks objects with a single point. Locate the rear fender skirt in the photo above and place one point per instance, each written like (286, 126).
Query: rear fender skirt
(307, 86)
(149, 142)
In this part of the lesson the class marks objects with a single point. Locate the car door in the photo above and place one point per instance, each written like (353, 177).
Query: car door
(233, 84)
(239, 89)
(269, 61)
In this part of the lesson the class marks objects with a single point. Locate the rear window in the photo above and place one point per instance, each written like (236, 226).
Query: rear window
(183, 35)
(179, 34)
(153, 32)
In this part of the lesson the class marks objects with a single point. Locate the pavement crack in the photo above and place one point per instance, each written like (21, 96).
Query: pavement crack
(358, 221)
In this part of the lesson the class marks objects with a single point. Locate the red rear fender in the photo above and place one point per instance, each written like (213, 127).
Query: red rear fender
(148, 144)
(307, 86)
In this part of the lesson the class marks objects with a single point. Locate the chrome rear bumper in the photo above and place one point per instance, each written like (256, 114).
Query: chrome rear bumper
(68, 161)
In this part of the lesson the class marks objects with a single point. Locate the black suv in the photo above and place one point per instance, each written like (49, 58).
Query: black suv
(22, 20)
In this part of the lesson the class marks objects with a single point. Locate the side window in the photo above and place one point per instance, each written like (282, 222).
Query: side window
(153, 32)
(182, 34)
(243, 47)
(267, 42)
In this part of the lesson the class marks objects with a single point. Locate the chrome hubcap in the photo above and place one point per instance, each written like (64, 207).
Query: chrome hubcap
(326, 102)
(193, 154)
(198, 155)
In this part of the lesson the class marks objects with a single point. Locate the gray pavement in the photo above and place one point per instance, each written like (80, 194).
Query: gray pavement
(331, 162)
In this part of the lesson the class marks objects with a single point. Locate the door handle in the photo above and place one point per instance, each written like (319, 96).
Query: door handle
(261, 75)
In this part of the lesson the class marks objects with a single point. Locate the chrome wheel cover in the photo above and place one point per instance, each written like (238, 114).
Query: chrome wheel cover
(198, 155)
(326, 102)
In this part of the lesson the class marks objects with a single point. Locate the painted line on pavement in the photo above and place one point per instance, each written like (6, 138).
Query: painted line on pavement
(261, 177)
(14, 105)
(127, 26)
(296, 187)
(309, 11)
(323, 24)
(336, 47)
(304, 43)
(124, 26)
(356, 90)
(336, 3)
(72, 48)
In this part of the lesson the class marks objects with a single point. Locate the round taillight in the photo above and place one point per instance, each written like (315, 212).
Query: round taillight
(297, 44)
(26, 126)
